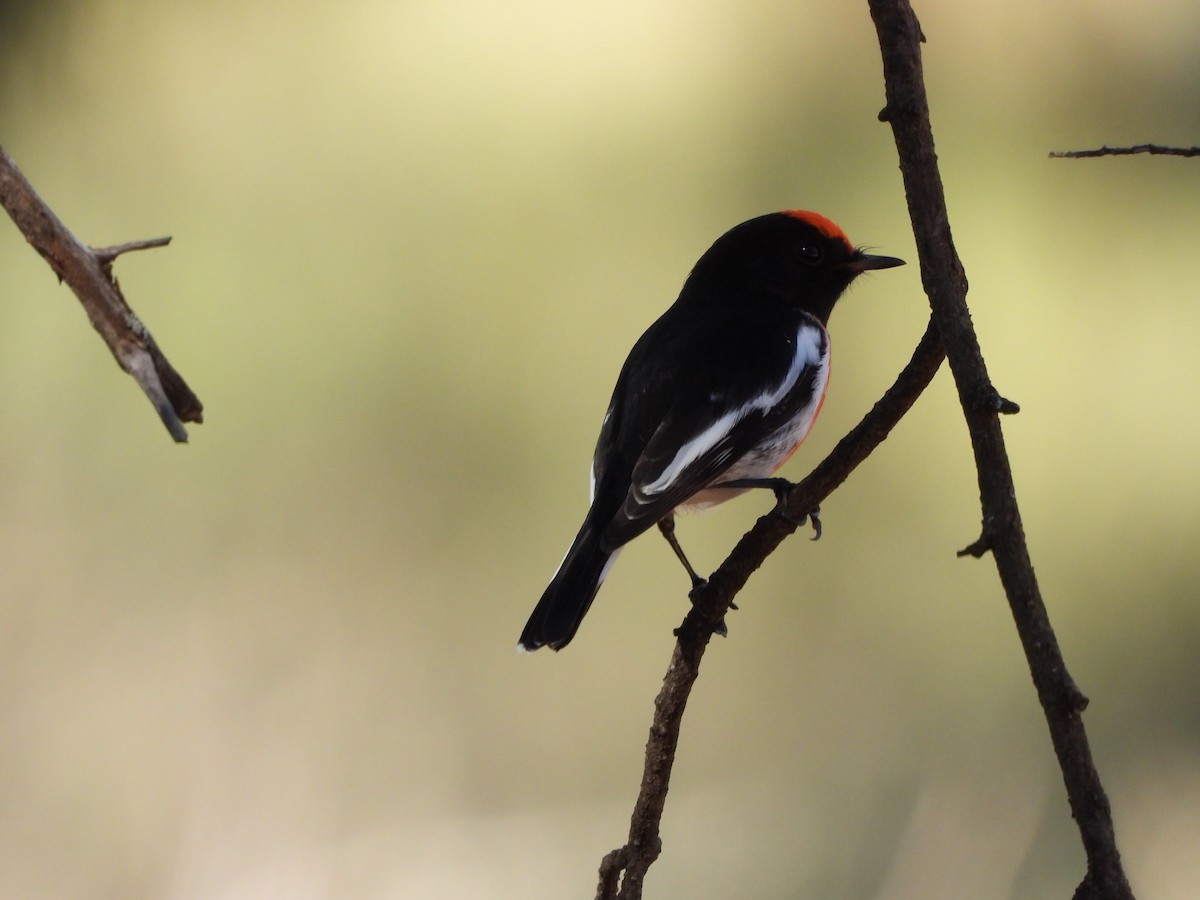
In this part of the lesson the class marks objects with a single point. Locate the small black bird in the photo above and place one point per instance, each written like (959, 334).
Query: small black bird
(722, 388)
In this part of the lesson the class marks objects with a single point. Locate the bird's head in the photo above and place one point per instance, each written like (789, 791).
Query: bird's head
(797, 257)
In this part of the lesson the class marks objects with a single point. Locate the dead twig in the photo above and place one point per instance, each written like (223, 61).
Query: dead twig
(88, 273)
(1153, 149)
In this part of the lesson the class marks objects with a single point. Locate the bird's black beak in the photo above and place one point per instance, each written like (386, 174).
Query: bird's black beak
(861, 262)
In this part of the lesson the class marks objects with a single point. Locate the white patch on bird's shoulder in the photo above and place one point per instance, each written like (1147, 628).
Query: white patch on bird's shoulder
(810, 345)
(809, 351)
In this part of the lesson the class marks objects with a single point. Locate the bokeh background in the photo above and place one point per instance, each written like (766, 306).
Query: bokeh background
(412, 244)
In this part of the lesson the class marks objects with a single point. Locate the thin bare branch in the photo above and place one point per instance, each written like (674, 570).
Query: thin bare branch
(1003, 535)
(89, 275)
(622, 871)
(1153, 149)
(108, 254)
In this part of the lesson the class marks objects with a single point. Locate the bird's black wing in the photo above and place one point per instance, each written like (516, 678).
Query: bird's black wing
(736, 390)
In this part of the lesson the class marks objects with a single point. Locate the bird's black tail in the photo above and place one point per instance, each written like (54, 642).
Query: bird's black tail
(565, 602)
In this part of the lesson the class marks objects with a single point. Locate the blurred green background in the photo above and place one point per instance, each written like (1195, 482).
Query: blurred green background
(412, 245)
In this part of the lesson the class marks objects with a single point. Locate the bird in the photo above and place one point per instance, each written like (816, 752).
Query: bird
(713, 398)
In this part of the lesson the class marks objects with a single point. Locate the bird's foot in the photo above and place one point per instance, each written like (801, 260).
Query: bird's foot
(815, 518)
(780, 487)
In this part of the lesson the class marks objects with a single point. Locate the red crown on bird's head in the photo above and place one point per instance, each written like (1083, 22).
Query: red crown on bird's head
(827, 227)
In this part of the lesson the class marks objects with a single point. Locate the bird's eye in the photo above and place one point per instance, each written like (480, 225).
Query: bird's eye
(812, 254)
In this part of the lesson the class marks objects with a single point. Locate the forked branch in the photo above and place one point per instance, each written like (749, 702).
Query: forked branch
(88, 272)
(950, 333)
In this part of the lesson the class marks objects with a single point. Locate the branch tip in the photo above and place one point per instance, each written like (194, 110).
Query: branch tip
(140, 365)
(106, 255)
(977, 548)
(984, 396)
(1078, 699)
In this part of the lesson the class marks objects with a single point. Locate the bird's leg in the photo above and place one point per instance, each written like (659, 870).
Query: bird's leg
(667, 527)
(780, 487)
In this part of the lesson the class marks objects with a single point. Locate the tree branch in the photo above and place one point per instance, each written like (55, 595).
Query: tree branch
(88, 273)
(712, 600)
(1003, 534)
(1153, 149)
(106, 255)
(950, 333)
